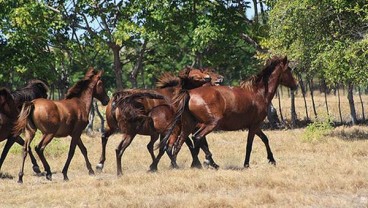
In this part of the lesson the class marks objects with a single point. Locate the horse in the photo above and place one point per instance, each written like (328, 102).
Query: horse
(67, 117)
(226, 108)
(10, 105)
(155, 123)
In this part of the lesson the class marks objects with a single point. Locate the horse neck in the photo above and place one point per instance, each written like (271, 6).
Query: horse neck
(87, 96)
(270, 87)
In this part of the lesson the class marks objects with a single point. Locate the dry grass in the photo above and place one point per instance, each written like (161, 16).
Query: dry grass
(330, 172)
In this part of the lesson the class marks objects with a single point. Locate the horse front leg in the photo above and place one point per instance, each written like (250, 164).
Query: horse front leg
(194, 151)
(46, 139)
(9, 143)
(250, 139)
(83, 149)
(73, 144)
(264, 138)
(104, 138)
(156, 160)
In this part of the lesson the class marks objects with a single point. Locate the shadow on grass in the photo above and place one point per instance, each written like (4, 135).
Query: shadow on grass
(5, 176)
(351, 134)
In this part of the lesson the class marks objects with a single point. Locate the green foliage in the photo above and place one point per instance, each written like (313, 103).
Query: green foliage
(317, 130)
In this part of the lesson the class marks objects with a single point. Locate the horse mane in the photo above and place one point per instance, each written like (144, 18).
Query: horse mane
(78, 88)
(263, 75)
(167, 80)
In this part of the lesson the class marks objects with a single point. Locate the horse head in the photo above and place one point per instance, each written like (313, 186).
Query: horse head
(99, 91)
(192, 78)
(216, 79)
(287, 78)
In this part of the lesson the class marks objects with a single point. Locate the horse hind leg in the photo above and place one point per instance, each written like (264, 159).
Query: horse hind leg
(46, 139)
(264, 139)
(127, 139)
(29, 135)
(194, 151)
(35, 166)
(209, 161)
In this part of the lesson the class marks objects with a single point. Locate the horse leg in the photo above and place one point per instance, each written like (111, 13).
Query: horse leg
(194, 151)
(268, 148)
(150, 145)
(83, 149)
(105, 136)
(73, 144)
(35, 167)
(9, 143)
(46, 138)
(209, 161)
(153, 166)
(29, 135)
(127, 139)
(250, 139)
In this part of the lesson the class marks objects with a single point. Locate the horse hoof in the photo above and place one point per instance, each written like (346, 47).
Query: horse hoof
(49, 177)
(20, 181)
(272, 163)
(91, 172)
(197, 165)
(215, 166)
(66, 178)
(36, 169)
(99, 167)
(246, 166)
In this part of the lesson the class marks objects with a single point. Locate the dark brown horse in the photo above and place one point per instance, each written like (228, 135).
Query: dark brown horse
(68, 117)
(146, 122)
(10, 104)
(231, 108)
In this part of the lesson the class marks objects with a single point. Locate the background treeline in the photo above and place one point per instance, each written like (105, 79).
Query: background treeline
(136, 41)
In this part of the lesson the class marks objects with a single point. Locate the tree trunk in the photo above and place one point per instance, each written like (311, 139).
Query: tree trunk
(264, 21)
(312, 97)
(339, 102)
(292, 108)
(102, 128)
(302, 87)
(353, 116)
(138, 65)
(279, 98)
(255, 11)
(272, 117)
(91, 118)
(118, 66)
(324, 89)
(361, 102)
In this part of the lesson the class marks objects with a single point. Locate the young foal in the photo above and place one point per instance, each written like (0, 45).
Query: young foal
(10, 104)
(60, 119)
(231, 108)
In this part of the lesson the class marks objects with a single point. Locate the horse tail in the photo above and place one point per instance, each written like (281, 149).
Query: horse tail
(23, 117)
(181, 102)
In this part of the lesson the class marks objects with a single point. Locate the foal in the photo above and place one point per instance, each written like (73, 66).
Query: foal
(67, 117)
(231, 108)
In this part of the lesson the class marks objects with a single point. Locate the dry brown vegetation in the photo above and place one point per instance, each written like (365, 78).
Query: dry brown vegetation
(328, 171)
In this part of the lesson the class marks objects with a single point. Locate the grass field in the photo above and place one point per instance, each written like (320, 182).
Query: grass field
(330, 171)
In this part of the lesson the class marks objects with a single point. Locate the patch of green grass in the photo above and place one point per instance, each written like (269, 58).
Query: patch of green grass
(55, 148)
(317, 130)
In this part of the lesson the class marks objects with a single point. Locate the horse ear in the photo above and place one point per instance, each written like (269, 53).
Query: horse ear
(184, 73)
(90, 72)
(284, 60)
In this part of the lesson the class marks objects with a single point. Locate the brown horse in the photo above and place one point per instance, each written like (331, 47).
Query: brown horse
(231, 108)
(67, 117)
(10, 104)
(152, 124)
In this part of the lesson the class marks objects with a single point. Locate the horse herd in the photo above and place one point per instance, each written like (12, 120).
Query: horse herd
(193, 102)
